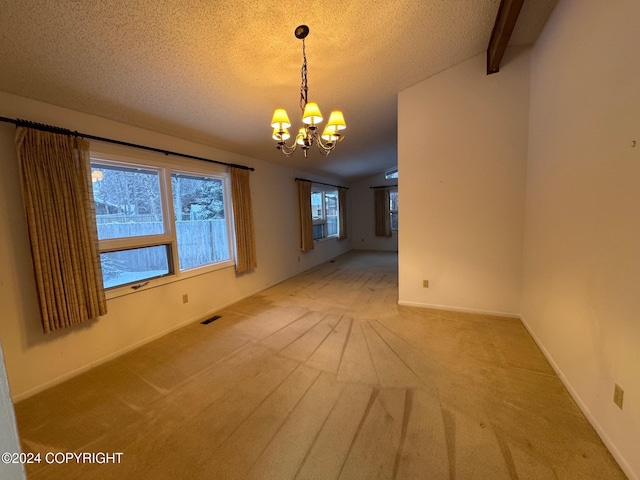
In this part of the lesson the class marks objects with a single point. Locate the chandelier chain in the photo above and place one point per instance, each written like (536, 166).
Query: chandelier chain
(303, 72)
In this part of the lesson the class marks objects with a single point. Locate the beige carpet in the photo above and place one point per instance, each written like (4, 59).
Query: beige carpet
(323, 377)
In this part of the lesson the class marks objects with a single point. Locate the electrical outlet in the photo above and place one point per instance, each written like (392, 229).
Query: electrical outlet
(618, 394)
(425, 283)
(185, 298)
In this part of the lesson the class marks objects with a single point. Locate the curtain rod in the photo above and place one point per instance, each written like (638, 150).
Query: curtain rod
(320, 183)
(63, 131)
(385, 186)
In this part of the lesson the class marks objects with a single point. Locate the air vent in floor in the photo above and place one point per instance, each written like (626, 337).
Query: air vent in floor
(212, 319)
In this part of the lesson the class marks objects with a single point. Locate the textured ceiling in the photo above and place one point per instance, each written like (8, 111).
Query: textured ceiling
(213, 72)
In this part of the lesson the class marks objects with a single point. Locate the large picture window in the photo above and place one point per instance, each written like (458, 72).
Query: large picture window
(325, 213)
(157, 220)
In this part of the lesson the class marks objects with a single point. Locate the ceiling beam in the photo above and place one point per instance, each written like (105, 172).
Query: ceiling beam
(502, 29)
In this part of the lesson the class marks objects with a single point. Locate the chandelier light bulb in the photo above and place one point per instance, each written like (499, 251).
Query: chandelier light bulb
(330, 135)
(312, 115)
(280, 119)
(280, 135)
(302, 136)
(336, 119)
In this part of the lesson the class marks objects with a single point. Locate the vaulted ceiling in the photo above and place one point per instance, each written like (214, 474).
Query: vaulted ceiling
(212, 71)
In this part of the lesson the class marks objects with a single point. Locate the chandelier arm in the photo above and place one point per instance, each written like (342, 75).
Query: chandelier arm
(288, 150)
(324, 149)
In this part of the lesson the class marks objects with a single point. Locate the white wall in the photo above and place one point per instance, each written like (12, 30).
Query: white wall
(35, 360)
(582, 243)
(363, 215)
(9, 442)
(462, 148)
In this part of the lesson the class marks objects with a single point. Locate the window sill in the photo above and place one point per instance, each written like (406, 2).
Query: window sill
(325, 239)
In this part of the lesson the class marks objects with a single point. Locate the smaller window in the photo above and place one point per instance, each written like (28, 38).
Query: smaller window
(391, 173)
(127, 266)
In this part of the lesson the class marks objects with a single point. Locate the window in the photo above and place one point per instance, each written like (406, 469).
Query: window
(324, 210)
(391, 173)
(157, 220)
(201, 227)
(393, 198)
(393, 209)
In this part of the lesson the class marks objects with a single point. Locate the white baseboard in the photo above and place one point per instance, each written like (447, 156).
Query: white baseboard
(458, 309)
(66, 376)
(100, 361)
(624, 465)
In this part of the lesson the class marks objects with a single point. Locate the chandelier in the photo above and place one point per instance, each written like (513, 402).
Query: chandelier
(311, 117)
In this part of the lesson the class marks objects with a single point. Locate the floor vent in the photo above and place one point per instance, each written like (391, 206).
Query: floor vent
(212, 319)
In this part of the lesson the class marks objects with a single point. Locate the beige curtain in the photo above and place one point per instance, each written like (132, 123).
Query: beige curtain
(382, 213)
(243, 220)
(342, 205)
(306, 219)
(58, 198)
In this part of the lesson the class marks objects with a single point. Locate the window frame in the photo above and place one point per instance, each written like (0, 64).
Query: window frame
(165, 168)
(228, 216)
